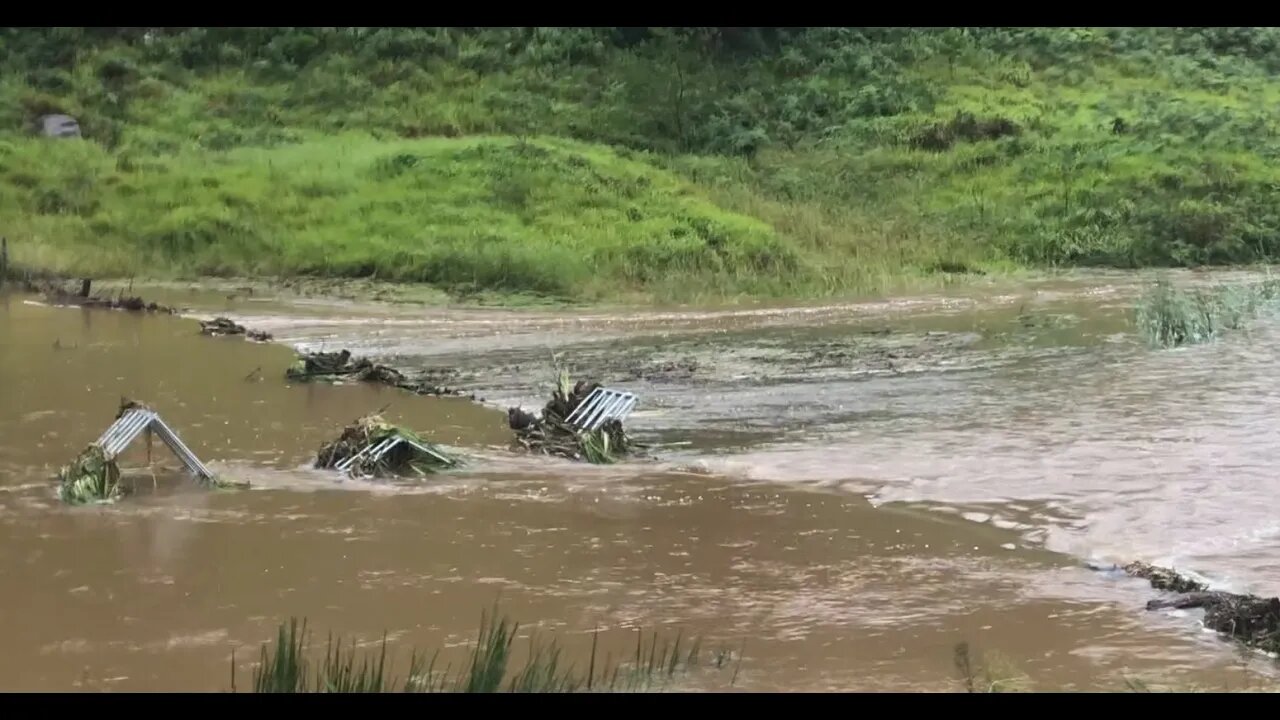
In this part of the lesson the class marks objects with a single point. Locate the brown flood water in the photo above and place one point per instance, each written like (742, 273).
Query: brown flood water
(839, 503)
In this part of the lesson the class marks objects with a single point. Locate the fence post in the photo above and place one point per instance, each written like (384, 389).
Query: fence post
(4, 260)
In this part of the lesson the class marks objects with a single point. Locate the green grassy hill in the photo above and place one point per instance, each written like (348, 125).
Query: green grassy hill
(595, 164)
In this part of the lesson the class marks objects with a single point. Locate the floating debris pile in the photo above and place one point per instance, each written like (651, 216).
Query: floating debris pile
(372, 447)
(221, 326)
(1251, 620)
(1164, 578)
(554, 434)
(342, 365)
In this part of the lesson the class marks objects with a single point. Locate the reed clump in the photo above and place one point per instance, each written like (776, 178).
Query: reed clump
(286, 666)
(1168, 316)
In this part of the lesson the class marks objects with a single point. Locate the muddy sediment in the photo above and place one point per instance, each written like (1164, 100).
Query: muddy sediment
(657, 371)
(57, 294)
(721, 360)
(880, 350)
(1250, 620)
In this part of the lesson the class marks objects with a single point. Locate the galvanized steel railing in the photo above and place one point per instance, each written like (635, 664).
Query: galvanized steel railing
(601, 406)
(128, 426)
(375, 452)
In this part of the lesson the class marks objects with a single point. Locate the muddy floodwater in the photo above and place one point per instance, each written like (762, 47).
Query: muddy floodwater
(839, 493)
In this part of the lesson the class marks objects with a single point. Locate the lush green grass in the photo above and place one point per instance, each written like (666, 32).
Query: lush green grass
(287, 667)
(552, 217)
(638, 162)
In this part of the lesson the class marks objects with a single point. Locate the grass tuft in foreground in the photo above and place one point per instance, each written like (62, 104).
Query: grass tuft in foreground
(490, 667)
(1169, 317)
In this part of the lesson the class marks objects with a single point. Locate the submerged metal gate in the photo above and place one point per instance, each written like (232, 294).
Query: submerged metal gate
(601, 406)
(377, 450)
(130, 425)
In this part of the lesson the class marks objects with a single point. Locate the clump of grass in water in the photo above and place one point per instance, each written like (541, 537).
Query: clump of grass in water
(597, 447)
(91, 477)
(1170, 317)
(285, 667)
(991, 677)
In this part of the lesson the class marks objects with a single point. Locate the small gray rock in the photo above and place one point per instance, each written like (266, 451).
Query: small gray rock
(60, 126)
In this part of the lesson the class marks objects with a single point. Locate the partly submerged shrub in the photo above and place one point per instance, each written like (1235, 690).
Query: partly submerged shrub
(1170, 317)
(91, 477)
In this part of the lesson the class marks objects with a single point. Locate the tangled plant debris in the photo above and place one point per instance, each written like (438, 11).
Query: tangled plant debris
(221, 326)
(1250, 620)
(91, 477)
(342, 366)
(552, 435)
(413, 457)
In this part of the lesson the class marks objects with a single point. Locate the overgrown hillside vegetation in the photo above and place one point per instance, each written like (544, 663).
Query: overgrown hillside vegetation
(608, 162)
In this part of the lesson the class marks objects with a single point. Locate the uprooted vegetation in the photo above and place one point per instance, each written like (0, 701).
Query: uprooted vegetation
(342, 366)
(551, 434)
(1168, 316)
(56, 293)
(221, 326)
(1250, 620)
(91, 477)
(363, 439)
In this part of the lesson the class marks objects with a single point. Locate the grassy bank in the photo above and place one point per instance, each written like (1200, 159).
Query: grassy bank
(607, 163)
(554, 218)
